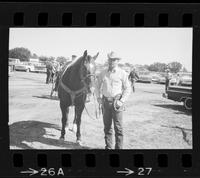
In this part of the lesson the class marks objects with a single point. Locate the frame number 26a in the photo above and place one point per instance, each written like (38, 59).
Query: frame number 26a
(51, 172)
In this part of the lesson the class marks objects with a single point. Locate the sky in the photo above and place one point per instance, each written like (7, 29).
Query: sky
(133, 45)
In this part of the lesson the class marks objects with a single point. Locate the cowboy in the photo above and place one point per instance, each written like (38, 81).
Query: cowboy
(112, 90)
(133, 76)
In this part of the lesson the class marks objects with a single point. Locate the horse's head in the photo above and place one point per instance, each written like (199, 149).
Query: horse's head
(87, 71)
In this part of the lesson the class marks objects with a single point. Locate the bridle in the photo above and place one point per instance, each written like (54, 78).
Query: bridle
(77, 93)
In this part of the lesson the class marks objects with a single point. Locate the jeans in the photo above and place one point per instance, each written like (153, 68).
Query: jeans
(109, 116)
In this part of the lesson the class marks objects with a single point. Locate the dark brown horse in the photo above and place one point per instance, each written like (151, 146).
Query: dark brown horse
(75, 83)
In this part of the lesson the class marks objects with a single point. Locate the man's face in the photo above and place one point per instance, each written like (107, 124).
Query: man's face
(113, 63)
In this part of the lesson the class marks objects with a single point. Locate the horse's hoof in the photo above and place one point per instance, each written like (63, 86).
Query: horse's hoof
(79, 142)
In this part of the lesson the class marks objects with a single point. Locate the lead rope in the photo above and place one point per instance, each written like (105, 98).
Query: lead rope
(95, 111)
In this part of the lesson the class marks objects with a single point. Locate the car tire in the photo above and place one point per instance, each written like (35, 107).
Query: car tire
(188, 103)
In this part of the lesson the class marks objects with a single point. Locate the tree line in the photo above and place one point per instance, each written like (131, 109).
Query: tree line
(25, 54)
(161, 67)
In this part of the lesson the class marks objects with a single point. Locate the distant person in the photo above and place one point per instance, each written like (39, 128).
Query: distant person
(133, 77)
(168, 77)
(73, 57)
(53, 71)
(59, 72)
(49, 71)
(178, 79)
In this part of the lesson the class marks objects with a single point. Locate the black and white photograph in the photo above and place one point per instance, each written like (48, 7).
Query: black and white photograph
(100, 88)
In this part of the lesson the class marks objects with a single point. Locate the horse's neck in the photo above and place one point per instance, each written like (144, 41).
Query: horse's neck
(71, 78)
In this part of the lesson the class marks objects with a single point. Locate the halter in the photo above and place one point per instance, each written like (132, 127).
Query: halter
(79, 92)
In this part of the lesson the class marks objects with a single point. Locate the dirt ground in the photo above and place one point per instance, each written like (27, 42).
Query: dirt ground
(150, 121)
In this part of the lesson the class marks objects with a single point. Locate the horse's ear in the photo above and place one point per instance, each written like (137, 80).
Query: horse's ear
(85, 53)
(95, 57)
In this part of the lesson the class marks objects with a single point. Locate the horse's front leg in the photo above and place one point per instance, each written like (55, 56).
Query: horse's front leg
(74, 126)
(65, 111)
(78, 112)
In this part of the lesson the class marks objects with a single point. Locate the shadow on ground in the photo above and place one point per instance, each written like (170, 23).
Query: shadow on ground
(178, 108)
(34, 131)
(47, 97)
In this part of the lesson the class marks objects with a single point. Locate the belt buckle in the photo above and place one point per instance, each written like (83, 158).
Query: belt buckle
(109, 99)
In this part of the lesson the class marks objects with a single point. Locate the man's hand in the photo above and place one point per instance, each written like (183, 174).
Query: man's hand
(119, 103)
(99, 100)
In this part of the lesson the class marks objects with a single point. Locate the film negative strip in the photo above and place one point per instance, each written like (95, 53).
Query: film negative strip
(99, 89)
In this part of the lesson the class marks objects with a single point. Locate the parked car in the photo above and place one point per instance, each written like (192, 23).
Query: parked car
(25, 66)
(162, 79)
(155, 78)
(185, 79)
(12, 62)
(144, 77)
(180, 94)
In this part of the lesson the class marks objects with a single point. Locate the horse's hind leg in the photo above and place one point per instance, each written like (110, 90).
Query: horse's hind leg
(65, 111)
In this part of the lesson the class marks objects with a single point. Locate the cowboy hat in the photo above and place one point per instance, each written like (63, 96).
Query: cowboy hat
(113, 55)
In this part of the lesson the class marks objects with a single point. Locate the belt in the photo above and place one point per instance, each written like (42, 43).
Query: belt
(109, 99)
(112, 100)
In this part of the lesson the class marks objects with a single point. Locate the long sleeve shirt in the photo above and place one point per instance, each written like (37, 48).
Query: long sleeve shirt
(112, 83)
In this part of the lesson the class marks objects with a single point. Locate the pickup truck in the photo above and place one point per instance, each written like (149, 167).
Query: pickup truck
(180, 94)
